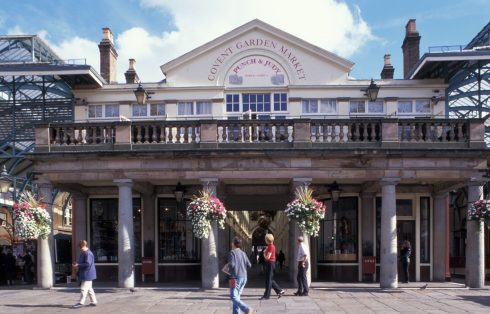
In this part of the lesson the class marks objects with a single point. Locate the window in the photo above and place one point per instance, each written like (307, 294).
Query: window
(256, 102)
(95, 111)
(325, 106)
(373, 107)
(280, 102)
(104, 229)
(185, 108)
(203, 108)
(176, 240)
(413, 107)
(111, 111)
(190, 108)
(425, 230)
(233, 103)
(337, 241)
(101, 111)
(139, 110)
(157, 110)
(404, 208)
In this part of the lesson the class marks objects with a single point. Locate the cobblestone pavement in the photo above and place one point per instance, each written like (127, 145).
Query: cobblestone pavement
(322, 299)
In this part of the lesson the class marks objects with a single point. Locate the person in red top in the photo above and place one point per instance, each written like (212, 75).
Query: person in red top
(270, 264)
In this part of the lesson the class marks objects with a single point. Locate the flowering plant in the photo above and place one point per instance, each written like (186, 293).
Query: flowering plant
(31, 219)
(202, 210)
(479, 210)
(306, 210)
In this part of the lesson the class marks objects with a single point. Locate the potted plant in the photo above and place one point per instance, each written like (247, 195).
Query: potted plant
(306, 211)
(31, 219)
(203, 209)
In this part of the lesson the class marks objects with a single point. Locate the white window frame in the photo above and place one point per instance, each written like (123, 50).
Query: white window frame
(272, 113)
(103, 111)
(148, 110)
(194, 108)
(366, 108)
(319, 102)
(414, 111)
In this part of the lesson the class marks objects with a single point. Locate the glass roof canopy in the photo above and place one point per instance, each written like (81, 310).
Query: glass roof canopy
(25, 48)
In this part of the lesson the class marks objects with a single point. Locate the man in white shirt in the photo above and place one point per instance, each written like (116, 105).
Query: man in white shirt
(302, 268)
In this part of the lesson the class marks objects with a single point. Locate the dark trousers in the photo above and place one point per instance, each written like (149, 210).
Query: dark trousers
(269, 279)
(301, 278)
(405, 270)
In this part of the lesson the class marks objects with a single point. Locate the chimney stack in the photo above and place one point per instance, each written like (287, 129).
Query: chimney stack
(130, 74)
(388, 69)
(410, 47)
(108, 56)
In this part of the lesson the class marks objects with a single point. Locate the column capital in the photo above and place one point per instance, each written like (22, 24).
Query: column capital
(209, 181)
(301, 181)
(441, 194)
(124, 182)
(368, 194)
(476, 182)
(389, 181)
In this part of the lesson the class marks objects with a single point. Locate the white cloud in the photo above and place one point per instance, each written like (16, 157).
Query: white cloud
(78, 48)
(16, 30)
(330, 24)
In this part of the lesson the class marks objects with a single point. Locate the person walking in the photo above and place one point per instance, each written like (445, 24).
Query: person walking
(238, 263)
(86, 274)
(270, 264)
(302, 268)
(405, 253)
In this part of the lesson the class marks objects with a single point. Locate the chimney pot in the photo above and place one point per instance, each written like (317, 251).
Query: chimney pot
(387, 59)
(107, 34)
(411, 27)
(132, 64)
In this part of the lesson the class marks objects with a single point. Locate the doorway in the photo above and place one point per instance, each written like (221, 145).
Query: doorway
(405, 230)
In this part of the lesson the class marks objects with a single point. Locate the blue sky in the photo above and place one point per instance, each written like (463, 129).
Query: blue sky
(156, 31)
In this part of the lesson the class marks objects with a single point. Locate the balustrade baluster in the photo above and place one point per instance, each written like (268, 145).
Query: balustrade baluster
(80, 136)
(193, 134)
(452, 135)
(330, 133)
(460, 132)
(178, 136)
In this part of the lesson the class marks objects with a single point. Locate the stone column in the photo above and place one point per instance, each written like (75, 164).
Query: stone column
(294, 233)
(45, 247)
(125, 239)
(367, 221)
(440, 254)
(475, 259)
(209, 247)
(388, 252)
(79, 225)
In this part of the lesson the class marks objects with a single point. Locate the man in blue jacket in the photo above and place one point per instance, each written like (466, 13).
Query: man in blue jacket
(86, 273)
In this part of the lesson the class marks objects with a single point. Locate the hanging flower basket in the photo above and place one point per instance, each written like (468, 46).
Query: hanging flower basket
(307, 211)
(479, 210)
(202, 210)
(31, 219)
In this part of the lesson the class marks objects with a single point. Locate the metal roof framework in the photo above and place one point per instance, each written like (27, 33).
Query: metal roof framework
(35, 87)
(467, 72)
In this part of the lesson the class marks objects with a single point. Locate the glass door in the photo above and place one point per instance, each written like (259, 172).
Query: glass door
(405, 230)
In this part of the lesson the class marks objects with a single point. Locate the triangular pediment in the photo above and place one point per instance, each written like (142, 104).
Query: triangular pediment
(257, 54)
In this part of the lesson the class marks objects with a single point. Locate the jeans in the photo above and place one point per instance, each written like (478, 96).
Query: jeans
(269, 279)
(301, 278)
(405, 270)
(235, 294)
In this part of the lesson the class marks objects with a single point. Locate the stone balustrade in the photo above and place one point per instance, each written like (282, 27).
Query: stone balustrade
(294, 133)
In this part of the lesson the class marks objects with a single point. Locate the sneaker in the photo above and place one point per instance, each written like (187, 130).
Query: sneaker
(78, 305)
(297, 293)
(281, 293)
(250, 310)
(304, 294)
(93, 304)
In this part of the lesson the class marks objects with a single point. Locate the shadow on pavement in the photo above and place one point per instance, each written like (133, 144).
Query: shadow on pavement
(39, 305)
(483, 300)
